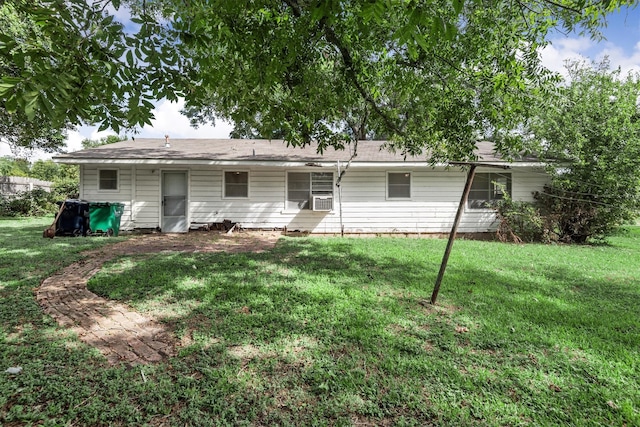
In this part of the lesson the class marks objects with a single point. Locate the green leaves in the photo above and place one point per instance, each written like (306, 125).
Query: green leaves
(592, 125)
(457, 6)
(74, 62)
(431, 76)
(30, 100)
(130, 58)
(7, 84)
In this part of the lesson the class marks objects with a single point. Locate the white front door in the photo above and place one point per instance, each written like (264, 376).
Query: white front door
(174, 202)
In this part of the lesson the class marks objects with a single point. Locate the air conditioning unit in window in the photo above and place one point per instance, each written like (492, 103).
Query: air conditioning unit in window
(322, 203)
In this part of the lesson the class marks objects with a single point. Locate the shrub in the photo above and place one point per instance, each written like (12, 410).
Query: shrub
(521, 222)
(66, 188)
(4, 206)
(36, 202)
(554, 216)
(580, 217)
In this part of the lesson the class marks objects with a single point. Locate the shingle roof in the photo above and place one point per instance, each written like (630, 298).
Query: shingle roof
(257, 150)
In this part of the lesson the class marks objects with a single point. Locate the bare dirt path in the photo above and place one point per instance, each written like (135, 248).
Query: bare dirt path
(120, 333)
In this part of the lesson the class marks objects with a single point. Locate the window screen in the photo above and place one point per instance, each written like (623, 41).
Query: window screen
(108, 179)
(302, 186)
(488, 188)
(236, 184)
(399, 185)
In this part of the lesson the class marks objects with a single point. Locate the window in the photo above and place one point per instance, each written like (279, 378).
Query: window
(399, 185)
(302, 186)
(487, 188)
(236, 184)
(107, 179)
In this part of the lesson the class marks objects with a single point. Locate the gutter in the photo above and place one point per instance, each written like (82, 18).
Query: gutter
(280, 164)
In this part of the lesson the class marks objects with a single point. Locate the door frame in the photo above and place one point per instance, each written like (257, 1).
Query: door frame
(187, 198)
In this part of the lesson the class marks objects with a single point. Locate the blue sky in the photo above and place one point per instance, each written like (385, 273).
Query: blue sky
(623, 29)
(621, 45)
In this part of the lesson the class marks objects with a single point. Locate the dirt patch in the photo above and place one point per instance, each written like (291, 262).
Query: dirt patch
(195, 241)
(120, 333)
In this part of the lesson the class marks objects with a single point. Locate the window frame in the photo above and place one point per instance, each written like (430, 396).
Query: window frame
(100, 181)
(491, 190)
(311, 192)
(224, 183)
(389, 196)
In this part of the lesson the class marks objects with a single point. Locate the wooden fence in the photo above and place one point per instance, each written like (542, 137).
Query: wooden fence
(14, 185)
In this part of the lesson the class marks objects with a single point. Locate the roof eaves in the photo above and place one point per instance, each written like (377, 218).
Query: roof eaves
(283, 163)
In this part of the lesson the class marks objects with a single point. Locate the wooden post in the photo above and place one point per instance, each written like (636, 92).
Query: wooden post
(338, 184)
(452, 235)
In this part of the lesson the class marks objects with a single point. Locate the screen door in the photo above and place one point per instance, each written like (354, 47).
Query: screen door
(174, 202)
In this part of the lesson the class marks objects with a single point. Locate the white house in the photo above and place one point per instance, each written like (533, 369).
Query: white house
(264, 184)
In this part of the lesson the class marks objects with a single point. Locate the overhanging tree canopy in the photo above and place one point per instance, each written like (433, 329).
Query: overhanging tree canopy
(431, 74)
(16, 129)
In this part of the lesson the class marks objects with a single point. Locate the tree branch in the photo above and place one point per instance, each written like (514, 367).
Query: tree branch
(353, 76)
(348, 61)
(342, 172)
(562, 6)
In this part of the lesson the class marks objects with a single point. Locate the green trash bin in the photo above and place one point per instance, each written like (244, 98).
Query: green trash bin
(104, 217)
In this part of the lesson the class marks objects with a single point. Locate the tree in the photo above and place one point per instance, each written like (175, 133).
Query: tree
(16, 129)
(48, 170)
(431, 75)
(435, 75)
(592, 128)
(45, 170)
(65, 178)
(110, 139)
(76, 62)
(245, 130)
(10, 166)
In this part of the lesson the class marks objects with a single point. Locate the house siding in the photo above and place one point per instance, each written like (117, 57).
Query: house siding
(147, 200)
(89, 190)
(435, 195)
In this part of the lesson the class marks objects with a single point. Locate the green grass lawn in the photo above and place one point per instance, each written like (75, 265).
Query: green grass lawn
(336, 332)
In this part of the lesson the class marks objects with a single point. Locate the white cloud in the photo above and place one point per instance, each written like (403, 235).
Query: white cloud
(168, 121)
(74, 140)
(619, 58)
(559, 51)
(121, 14)
(5, 150)
(554, 55)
